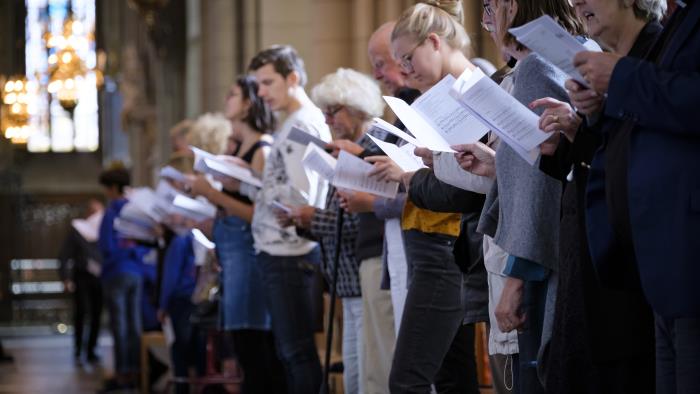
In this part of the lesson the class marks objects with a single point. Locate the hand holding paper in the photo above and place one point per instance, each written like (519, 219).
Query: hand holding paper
(224, 167)
(402, 156)
(477, 158)
(546, 37)
(516, 124)
(385, 169)
(586, 101)
(426, 155)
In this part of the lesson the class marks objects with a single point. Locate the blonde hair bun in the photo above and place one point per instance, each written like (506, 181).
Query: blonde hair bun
(442, 17)
(452, 7)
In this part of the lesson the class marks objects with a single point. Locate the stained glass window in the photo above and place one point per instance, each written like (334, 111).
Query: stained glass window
(53, 128)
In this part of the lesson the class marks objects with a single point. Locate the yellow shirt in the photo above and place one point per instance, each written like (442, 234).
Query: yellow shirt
(414, 218)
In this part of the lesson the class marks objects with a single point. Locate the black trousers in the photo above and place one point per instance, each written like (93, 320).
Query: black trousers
(457, 373)
(87, 300)
(262, 370)
(432, 315)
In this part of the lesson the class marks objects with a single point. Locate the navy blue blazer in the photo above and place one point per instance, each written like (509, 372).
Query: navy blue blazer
(663, 176)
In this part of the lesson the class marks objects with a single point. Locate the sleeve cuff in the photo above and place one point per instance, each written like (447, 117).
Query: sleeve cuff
(524, 269)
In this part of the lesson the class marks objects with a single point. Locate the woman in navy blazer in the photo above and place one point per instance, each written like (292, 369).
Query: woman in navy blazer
(655, 198)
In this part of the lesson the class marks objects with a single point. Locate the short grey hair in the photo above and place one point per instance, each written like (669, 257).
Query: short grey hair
(351, 89)
(649, 9)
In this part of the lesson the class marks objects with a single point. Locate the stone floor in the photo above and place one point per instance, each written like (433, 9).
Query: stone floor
(45, 365)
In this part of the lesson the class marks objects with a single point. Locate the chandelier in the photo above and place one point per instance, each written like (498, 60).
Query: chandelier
(67, 69)
(14, 121)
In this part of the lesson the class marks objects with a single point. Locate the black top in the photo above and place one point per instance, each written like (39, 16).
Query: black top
(79, 250)
(248, 158)
(370, 240)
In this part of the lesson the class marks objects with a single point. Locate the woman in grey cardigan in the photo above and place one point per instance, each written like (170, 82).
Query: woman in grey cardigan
(522, 210)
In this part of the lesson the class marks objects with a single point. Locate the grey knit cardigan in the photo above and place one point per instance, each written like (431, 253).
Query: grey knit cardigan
(522, 209)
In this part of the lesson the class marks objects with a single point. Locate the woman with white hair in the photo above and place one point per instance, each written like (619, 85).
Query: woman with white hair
(595, 347)
(349, 101)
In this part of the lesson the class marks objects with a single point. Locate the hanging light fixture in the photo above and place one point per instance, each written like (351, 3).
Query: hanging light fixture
(67, 69)
(14, 122)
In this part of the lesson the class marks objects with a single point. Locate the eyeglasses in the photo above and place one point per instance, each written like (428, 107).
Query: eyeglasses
(331, 111)
(406, 61)
(488, 11)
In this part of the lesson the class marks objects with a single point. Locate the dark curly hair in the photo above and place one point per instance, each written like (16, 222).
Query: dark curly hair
(115, 176)
(260, 116)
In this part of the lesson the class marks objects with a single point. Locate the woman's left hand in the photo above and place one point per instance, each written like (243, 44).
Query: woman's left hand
(558, 116)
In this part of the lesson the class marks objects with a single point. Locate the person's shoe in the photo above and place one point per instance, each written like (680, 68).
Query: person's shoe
(112, 386)
(93, 358)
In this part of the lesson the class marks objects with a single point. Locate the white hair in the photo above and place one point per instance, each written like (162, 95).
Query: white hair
(650, 9)
(351, 89)
(210, 133)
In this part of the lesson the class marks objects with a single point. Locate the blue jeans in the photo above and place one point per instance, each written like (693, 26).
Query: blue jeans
(677, 355)
(432, 314)
(287, 284)
(123, 296)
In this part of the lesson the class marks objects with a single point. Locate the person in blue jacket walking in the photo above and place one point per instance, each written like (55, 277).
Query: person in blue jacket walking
(121, 278)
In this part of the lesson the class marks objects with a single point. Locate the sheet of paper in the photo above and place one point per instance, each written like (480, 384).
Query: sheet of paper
(419, 127)
(529, 156)
(149, 202)
(202, 239)
(277, 205)
(219, 167)
(403, 156)
(199, 156)
(194, 209)
(498, 110)
(136, 215)
(301, 137)
(352, 173)
(167, 191)
(447, 169)
(130, 230)
(447, 117)
(390, 128)
(316, 159)
(89, 228)
(546, 37)
(172, 173)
